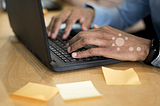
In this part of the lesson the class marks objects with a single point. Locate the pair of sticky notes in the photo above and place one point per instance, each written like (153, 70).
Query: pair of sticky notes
(120, 77)
(68, 91)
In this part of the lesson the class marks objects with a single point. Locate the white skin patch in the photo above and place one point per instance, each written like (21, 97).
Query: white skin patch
(113, 44)
(118, 48)
(138, 48)
(120, 42)
(113, 38)
(126, 38)
(130, 48)
(119, 34)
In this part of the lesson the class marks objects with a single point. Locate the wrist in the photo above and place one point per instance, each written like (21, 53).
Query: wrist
(91, 12)
(154, 50)
(145, 49)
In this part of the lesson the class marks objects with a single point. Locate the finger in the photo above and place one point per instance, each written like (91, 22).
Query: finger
(85, 25)
(88, 41)
(86, 21)
(88, 53)
(109, 52)
(69, 24)
(96, 33)
(56, 28)
(78, 37)
(58, 21)
(50, 27)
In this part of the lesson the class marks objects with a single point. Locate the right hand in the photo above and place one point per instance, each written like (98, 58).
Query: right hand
(111, 43)
(85, 17)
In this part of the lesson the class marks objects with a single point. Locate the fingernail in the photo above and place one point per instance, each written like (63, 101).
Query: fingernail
(85, 29)
(96, 26)
(74, 55)
(49, 33)
(64, 36)
(53, 35)
(69, 49)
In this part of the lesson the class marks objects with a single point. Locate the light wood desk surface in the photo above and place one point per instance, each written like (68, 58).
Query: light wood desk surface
(18, 67)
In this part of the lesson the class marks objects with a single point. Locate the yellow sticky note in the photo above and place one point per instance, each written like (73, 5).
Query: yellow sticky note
(120, 77)
(78, 90)
(37, 91)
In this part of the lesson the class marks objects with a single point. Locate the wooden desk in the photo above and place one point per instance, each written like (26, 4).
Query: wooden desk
(18, 67)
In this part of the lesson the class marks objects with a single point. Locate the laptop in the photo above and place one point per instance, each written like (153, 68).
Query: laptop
(27, 21)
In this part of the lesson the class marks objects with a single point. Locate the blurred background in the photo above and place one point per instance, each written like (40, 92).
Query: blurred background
(48, 4)
(54, 5)
(2, 4)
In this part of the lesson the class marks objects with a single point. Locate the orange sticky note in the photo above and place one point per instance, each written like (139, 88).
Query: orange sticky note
(37, 91)
(120, 77)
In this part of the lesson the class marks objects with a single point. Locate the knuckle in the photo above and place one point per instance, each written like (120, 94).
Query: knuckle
(80, 54)
(58, 19)
(103, 34)
(69, 22)
(91, 51)
(81, 34)
(85, 40)
(76, 13)
(106, 27)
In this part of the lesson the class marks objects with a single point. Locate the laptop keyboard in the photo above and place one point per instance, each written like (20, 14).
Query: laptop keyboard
(58, 47)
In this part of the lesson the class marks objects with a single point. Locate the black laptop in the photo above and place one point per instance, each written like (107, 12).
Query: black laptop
(27, 21)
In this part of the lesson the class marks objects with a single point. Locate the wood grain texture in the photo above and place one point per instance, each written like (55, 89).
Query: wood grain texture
(18, 67)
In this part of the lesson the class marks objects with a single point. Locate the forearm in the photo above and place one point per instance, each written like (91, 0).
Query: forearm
(120, 17)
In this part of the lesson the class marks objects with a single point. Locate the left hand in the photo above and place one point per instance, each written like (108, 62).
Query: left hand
(112, 43)
(82, 15)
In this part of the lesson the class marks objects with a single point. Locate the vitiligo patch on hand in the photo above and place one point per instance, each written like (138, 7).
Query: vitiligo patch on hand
(120, 41)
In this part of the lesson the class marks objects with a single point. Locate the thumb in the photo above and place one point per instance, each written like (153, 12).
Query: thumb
(95, 26)
(85, 25)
